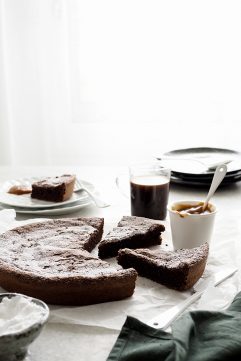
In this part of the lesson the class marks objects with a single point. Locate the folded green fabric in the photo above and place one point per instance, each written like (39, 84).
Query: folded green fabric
(196, 336)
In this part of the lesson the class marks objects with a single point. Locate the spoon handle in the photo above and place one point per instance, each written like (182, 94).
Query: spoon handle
(219, 174)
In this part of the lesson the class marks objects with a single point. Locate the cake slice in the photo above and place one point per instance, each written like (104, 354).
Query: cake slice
(131, 232)
(51, 261)
(54, 189)
(179, 270)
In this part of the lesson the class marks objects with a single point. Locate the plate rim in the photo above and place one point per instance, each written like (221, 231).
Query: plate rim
(206, 148)
(176, 180)
(51, 211)
(203, 177)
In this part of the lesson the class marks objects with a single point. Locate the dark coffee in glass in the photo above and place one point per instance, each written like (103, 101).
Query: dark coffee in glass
(149, 194)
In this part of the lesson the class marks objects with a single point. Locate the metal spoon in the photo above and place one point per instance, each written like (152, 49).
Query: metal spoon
(201, 206)
(219, 174)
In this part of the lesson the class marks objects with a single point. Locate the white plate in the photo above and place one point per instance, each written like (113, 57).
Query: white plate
(25, 200)
(54, 211)
(187, 160)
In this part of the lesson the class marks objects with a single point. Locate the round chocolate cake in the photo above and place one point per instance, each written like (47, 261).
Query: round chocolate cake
(51, 261)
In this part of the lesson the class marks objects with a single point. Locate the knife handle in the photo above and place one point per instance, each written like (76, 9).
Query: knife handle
(164, 320)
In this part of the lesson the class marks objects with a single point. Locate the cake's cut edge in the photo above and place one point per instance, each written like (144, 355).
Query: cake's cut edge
(179, 269)
(131, 232)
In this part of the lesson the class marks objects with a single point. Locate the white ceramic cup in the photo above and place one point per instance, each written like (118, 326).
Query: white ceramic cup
(193, 229)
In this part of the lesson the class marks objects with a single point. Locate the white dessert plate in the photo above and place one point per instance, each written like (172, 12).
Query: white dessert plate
(25, 200)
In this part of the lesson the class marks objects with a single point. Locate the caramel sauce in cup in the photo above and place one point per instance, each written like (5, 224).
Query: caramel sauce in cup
(190, 226)
(184, 209)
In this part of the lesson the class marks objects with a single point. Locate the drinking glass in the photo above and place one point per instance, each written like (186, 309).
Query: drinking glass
(149, 190)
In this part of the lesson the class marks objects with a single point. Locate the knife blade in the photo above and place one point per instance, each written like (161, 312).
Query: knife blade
(164, 320)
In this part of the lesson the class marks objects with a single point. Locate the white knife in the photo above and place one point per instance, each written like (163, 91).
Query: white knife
(164, 320)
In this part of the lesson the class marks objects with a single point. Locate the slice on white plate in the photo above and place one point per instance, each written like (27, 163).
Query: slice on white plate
(25, 200)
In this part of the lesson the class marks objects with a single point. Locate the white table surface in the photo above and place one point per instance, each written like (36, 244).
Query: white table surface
(77, 342)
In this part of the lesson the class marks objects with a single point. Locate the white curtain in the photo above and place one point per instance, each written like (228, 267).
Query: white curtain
(103, 81)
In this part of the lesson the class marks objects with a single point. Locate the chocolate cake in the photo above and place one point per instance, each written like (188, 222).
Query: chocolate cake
(131, 232)
(51, 261)
(54, 189)
(180, 269)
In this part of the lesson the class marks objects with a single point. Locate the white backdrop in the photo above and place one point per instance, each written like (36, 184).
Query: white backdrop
(89, 81)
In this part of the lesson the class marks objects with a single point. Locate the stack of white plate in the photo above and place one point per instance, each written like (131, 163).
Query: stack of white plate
(26, 205)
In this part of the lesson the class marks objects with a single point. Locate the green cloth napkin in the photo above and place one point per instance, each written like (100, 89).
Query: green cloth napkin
(196, 336)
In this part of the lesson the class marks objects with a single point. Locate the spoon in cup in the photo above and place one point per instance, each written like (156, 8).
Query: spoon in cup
(219, 174)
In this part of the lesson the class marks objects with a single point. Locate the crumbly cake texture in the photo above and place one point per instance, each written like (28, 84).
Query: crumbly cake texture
(51, 261)
(54, 189)
(179, 270)
(132, 232)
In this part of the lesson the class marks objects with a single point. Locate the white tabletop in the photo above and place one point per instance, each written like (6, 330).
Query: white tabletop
(78, 342)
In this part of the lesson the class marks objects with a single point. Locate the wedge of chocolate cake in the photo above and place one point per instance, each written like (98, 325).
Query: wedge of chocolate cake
(54, 189)
(179, 270)
(131, 232)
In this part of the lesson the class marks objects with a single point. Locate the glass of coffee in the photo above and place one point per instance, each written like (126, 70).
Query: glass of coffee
(149, 190)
